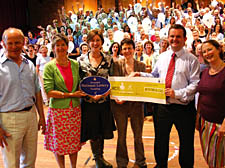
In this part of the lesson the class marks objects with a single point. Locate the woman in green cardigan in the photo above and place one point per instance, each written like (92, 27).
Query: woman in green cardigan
(61, 83)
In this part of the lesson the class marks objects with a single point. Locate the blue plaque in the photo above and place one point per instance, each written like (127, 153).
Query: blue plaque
(95, 85)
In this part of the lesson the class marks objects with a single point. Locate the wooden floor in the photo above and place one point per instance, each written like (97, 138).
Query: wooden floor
(45, 159)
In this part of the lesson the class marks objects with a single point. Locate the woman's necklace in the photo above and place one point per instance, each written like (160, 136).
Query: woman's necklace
(217, 69)
(63, 63)
(95, 59)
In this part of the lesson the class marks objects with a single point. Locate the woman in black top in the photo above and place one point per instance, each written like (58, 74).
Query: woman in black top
(31, 54)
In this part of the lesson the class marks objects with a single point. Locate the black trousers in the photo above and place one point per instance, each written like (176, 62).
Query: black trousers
(183, 117)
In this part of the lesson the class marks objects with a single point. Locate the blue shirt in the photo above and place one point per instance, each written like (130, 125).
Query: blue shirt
(185, 78)
(18, 84)
(32, 41)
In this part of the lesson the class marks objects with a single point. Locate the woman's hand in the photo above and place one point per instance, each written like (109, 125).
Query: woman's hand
(96, 97)
(119, 101)
(79, 93)
(221, 131)
(197, 125)
(106, 94)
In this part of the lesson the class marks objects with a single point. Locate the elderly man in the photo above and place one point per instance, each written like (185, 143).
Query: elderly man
(20, 96)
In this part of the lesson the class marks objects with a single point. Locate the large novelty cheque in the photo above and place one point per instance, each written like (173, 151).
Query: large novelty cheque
(138, 89)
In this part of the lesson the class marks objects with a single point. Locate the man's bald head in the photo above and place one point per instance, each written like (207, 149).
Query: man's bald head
(12, 31)
(13, 41)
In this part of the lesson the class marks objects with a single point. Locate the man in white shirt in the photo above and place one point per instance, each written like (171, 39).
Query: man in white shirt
(181, 70)
(108, 40)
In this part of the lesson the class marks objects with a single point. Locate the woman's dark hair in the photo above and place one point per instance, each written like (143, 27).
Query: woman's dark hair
(171, 20)
(93, 33)
(62, 27)
(31, 33)
(216, 19)
(110, 49)
(30, 45)
(124, 28)
(151, 43)
(193, 44)
(70, 29)
(217, 46)
(127, 41)
(220, 30)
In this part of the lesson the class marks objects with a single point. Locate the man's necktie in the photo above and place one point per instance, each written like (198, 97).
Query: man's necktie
(170, 71)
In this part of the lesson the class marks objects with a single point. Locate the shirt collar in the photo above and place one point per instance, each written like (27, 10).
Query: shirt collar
(179, 53)
(4, 58)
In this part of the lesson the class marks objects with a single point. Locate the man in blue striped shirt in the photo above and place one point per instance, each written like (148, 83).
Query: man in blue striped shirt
(20, 96)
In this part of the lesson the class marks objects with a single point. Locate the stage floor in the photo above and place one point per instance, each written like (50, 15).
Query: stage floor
(46, 159)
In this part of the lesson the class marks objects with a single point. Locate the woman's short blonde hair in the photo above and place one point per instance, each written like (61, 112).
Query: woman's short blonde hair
(43, 46)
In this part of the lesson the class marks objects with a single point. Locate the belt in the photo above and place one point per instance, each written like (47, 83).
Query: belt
(25, 109)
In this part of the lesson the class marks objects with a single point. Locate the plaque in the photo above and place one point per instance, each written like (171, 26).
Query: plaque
(95, 85)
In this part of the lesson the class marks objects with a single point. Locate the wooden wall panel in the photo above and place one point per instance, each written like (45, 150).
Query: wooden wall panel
(89, 5)
(92, 5)
(108, 5)
(125, 3)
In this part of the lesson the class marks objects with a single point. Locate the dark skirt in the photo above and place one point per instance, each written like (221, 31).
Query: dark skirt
(96, 121)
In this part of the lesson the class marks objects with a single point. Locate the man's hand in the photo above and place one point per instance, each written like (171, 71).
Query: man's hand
(3, 136)
(170, 92)
(134, 74)
(41, 125)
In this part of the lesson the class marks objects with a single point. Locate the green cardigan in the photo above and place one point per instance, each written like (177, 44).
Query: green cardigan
(53, 80)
